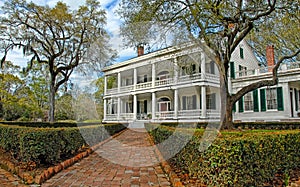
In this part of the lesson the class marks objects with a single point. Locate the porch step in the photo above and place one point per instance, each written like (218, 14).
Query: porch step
(136, 125)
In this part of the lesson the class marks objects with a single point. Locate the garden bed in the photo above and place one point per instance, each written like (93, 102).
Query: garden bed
(235, 158)
(37, 153)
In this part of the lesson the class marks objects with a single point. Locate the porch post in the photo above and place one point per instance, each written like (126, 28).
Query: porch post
(176, 70)
(153, 105)
(153, 75)
(203, 65)
(134, 106)
(176, 103)
(134, 77)
(119, 82)
(104, 109)
(105, 84)
(119, 108)
(203, 101)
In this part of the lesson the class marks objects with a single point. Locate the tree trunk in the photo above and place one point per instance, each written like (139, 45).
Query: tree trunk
(52, 99)
(226, 104)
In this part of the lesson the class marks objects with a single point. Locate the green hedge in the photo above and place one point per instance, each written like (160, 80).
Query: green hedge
(51, 145)
(48, 124)
(248, 158)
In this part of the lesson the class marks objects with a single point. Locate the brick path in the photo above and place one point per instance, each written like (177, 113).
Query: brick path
(9, 180)
(127, 160)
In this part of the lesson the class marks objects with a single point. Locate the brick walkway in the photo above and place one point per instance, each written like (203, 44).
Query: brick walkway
(127, 160)
(9, 180)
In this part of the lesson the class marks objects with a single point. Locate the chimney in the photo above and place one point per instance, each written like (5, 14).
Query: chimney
(140, 50)
(270, 57)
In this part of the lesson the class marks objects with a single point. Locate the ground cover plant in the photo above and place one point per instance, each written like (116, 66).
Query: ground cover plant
(235, 158)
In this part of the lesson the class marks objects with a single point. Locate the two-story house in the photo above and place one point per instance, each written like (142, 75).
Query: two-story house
(182, 84)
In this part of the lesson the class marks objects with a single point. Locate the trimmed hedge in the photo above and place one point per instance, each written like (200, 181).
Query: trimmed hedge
(249, 158)
(48, 124)
(51, 145)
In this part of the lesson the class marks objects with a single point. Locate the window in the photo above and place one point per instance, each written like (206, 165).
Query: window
(248, 102)
(211, 101)
(129, 107)
(163, 75)
(242, 71)
(271, 95)
(210, 67)
(189, 102)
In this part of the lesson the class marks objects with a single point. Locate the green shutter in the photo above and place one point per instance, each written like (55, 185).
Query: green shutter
(279, 99)
(241, 53)
(241, 105)
(232, 70)
(263, 100)
(200, 101)
(233, 107)
(194, 101)
(213, 101)
(255, 101)
(296, 98)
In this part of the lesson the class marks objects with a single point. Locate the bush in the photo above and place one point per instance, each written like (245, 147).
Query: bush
(248, 158)
(51, 145)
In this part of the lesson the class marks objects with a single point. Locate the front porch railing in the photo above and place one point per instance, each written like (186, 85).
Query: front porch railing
(189, 113)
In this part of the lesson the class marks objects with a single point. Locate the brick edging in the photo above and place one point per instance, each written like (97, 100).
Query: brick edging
(174, 179)
(49, 172)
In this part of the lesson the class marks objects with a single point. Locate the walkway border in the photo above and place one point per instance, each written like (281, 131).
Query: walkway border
(174, 179)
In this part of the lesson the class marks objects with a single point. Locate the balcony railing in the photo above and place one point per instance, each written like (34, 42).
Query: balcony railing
(187, 78)
(126, 88)
(143, 85)
(164, 82)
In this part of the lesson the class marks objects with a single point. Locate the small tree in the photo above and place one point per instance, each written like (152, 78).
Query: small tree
(218, 27)
(58, 37)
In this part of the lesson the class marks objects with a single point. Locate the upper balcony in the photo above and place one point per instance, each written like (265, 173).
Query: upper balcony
(166, 81)
(283, 68)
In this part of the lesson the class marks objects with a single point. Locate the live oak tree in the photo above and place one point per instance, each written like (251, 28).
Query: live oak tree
(55, 36)
(218, 27)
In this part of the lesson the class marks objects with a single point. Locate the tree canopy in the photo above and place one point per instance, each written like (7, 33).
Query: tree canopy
(56, 36)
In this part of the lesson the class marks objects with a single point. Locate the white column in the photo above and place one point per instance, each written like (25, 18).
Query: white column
(153, 75)
(105, 85)
(104, 109)
(153, 105)
(176, 70)
(203, 101)
(119, 82)
(203, 65)
(119, 108)
(134, 77)
(176, 103)
(134, 107)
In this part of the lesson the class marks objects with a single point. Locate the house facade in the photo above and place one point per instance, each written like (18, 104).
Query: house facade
(182, 84)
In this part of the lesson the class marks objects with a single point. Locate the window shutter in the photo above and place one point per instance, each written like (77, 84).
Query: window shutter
(263, 100)
(138, 107)
(296, 99)
(279, 99)
(184, 103)
(241, 105)
(232, 71)
(145, 106)
(241, 53)
(212, 67)
(200, 101)
(194, 102)
(213, 101)
(255, 101)
(234, 107)
(145, 78)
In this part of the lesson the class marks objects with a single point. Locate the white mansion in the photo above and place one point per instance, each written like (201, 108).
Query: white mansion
(182, 84)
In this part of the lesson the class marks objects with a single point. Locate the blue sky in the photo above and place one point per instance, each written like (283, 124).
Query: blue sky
(113, 25)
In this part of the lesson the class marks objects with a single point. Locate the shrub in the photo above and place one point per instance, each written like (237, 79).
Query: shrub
(51, 145)
(248, 158)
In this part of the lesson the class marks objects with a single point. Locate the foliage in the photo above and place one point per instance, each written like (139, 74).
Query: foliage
(51, 145)
(55, 36)
(240, 158)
